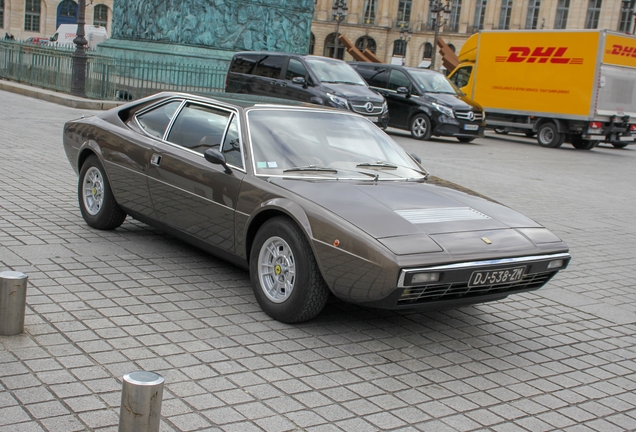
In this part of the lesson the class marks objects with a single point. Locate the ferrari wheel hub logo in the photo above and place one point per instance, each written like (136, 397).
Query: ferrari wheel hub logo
(277, 270)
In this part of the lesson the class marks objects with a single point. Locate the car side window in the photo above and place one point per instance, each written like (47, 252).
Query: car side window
(295, 69)
(269, 67)
(461, 77)
(232, 145)
(374, 76)
(398, 79)
(244, 63)
(199, 127)
(155, 121)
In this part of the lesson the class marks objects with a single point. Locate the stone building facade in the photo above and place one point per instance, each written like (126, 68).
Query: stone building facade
(375, 24)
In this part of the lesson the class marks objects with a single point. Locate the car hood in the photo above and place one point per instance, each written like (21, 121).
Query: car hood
(404, 216)
(350, 91)
(453, 101)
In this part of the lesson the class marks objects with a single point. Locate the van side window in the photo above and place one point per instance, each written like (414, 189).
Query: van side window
(374, 76)
(199, 127)
(244, 63)
(461, 77)
(269, 67)
(398, 79)
(295, 69)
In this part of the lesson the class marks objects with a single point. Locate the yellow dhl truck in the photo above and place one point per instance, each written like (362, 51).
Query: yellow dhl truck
(575, 86)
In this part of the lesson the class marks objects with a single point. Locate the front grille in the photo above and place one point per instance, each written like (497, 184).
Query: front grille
(451, 291)
(465, 115)
(360, 107)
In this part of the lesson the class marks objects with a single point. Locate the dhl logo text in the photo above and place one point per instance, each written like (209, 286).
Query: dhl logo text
(554, 55)
(624, 51)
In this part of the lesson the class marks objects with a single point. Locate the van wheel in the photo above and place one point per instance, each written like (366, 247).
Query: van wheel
(465, 139)
(501, 131)
(421, 127)
(285, 277)
(549, 136)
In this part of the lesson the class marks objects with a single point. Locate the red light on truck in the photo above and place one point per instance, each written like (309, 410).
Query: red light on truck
(632, 127)
(596, 125)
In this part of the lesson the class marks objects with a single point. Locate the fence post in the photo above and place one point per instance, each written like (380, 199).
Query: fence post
(12, 302)
(141, 402)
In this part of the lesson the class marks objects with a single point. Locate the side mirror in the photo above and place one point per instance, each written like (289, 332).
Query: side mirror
(216, 157)
(403, 91)
(300, 81)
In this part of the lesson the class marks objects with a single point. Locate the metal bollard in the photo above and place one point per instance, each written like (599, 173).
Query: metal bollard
(12, 302)
(141, 402)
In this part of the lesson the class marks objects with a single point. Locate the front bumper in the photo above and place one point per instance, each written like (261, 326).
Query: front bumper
(446, 126)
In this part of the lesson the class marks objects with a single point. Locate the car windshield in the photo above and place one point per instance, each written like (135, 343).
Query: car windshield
(332, 71)
(433, 82)
(306, 142)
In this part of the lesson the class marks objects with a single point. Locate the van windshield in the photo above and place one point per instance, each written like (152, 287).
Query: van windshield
(432, 82)
(334, 71)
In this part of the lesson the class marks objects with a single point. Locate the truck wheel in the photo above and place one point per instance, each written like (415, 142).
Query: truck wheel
(548, 136)
(620, 145)
(530, 134)
(421, 127)
(501, 131)
(581, 144)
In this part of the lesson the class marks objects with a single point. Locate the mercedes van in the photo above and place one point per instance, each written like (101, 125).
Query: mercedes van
(305, 78)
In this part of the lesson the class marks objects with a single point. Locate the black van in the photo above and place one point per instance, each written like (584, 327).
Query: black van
(305, 78)
(424, 102)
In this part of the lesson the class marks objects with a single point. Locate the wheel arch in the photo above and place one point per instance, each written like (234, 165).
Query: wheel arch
(88, 148)
(272, 209)
(561, 125)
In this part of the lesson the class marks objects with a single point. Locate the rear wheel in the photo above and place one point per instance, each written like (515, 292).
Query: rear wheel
(620, 145)
(581, 144)
(530, 134)
(501, 131)
(465, 139)
(96, 200)
(285, 277)
(549, 136)
(421, 127)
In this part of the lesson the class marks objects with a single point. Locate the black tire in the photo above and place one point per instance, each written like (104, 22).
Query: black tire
(581, 144)
(501, 131)
(421, 127)
(465, 139)
(620, 145)
(549, 136)
(530, 134)
(96, 200)
(280, 246)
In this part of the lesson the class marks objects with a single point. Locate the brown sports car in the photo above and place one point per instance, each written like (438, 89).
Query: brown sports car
(311, 200)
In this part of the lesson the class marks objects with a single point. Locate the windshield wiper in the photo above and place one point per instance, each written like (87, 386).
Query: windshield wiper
(312, 168)
(343, 82)
(378, 164)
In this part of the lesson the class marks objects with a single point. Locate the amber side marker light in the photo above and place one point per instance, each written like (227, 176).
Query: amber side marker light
(555, 264)
(420, 278)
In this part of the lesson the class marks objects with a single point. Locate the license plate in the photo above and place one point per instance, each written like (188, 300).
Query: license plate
(471, 127)
(373, 119)
(494, 277)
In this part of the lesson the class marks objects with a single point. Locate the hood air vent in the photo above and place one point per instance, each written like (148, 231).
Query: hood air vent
(435, 215)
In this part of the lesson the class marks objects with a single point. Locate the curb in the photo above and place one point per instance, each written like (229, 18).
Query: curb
(57, 98)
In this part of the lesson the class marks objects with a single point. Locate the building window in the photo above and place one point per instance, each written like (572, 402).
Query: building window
(312, 43)
(504, 14)
(68, 9)
(456, 10)
(480, 14)
(533, 14)
(1, 13)
(428, 50)
(593, 12)
(404, 11)
(399, 48)
(366, 42)
(625, 21)
(330, 46)
(100, 15)
(368, 14)
(32, 15)
(452, 47)
(561, 21)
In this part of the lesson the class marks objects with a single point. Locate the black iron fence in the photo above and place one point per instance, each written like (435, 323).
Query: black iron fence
(106, 78)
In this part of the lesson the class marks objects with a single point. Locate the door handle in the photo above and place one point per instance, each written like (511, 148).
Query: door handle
(283, 84)
(155, 159)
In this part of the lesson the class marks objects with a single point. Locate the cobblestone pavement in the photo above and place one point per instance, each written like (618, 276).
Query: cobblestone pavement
(102, 304)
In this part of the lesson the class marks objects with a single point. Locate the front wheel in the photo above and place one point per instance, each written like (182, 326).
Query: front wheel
(549, 136)
(421, 127)
(96, 200)
(285, 277)
(465, 139)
